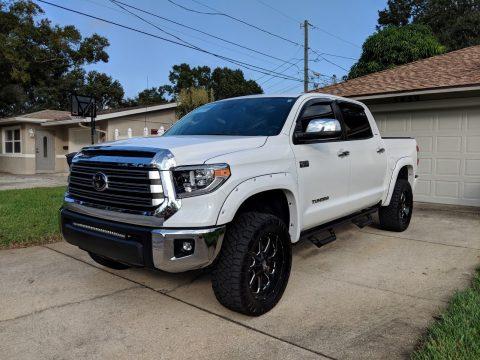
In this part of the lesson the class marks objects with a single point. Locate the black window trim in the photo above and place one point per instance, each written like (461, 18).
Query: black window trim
(336, 112)
(338, 103)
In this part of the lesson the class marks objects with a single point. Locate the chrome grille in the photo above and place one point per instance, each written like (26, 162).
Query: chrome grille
(130, 187)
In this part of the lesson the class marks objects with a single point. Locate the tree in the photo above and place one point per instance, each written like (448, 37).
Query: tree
(227, 83)
(154, 96)
(395, 45)
(224, 82)
(191, 98)
(456, 24)
(41, 63)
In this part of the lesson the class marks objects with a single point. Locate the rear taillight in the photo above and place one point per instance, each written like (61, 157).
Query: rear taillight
(418, 150)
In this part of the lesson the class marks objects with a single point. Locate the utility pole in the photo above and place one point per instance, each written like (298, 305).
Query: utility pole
(305, 55)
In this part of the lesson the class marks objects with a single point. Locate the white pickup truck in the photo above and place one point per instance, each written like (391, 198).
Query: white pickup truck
(232, 185)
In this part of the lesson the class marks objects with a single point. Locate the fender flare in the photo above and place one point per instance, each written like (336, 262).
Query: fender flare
(258, 184)
(405, 161)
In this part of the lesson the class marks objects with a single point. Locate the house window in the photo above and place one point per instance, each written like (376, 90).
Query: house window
(12, 142)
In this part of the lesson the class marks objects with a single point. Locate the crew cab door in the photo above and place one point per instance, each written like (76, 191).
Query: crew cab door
(368, 159)
(322, 165)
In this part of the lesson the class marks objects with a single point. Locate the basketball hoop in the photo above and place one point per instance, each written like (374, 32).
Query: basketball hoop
(83, 107)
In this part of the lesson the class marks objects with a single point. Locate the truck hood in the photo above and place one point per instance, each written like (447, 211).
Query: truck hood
(190, 150)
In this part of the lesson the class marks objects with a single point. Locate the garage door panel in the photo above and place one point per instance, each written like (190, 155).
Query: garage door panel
(425, 143)
(425, 166)
(450, 120)
(473, 119)
(449, 158)
(423, 187)
(448, 166)
(422, 121)
(396, 123)
(449, 144)
(472, 191)
(449, 189)
(472, 167)
(473, 144)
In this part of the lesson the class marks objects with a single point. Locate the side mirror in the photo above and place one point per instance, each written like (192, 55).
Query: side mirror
(70, 158)
(320, 129)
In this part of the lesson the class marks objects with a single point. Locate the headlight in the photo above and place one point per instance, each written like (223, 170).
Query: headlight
(196, 180)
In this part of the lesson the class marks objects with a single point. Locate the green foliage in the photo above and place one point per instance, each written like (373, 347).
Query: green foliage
(456, 24)
(151, 96)
(191, 98)
(456, 334)
(41, 63)
(394, 46)
(227, 83)
(29, 216)
(224, 82)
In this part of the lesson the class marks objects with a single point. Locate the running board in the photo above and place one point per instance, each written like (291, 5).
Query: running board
(361, 219)
(319, 242)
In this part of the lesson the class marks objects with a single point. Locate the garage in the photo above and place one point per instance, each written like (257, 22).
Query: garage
(449, 141)
(437, 102)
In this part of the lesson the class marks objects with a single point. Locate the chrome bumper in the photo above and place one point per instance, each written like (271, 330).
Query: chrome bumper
(140, 245)
(208, 243)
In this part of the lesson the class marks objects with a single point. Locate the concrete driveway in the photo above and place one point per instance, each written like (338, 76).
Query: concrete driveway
(369, 295)
(10, 181)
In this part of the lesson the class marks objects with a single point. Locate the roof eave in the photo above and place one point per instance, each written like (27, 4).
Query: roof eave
(444, 90)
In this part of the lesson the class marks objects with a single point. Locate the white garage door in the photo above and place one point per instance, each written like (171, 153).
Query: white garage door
(449, 141)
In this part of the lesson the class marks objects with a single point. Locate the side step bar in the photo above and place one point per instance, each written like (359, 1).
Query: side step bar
(324, 234)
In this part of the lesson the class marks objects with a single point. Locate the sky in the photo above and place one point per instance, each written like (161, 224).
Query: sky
(138, 60)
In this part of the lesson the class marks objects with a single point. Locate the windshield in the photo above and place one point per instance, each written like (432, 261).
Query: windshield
(262, 116)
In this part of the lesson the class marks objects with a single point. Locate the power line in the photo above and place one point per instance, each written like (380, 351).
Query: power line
(219, 13)
(312, 25)
(279, 11)
(234, 61)
(199, 31)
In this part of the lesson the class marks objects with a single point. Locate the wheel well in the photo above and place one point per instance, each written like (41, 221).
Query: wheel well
(403, 173)
(271, 202)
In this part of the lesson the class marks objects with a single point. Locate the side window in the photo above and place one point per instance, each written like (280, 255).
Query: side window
(356, 122)
(315, 111)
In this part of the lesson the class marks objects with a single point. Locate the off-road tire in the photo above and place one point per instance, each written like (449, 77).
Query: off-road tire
(393, 217)
(234, 274)
(112, 264)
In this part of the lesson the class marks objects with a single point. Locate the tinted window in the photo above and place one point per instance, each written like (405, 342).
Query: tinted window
(242, 117)
(356, 122)
(315, 111)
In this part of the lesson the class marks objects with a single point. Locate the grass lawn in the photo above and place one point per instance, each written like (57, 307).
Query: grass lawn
(29, 216)
(456, 335)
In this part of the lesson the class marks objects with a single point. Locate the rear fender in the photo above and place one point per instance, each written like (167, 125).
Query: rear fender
(406, 161)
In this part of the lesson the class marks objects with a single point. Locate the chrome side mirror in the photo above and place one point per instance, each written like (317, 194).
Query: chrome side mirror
(323, 126)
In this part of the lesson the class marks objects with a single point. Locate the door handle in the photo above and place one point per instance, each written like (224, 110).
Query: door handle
(380, 150)
(342, 153)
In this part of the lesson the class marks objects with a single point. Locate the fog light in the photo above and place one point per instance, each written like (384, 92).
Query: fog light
(183, 247)
(187, 246)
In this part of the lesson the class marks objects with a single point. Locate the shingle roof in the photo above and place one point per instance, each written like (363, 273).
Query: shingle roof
(454, 69)
(48, 115)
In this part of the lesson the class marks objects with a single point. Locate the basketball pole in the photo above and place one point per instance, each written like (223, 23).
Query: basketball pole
(92, 122)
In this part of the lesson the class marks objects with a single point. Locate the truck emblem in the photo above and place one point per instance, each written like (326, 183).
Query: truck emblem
(316, 201)
(100, 181)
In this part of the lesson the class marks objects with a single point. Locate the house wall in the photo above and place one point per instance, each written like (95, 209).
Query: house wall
(137, 122)
(23, 163)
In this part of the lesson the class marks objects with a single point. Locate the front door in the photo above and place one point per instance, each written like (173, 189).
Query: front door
(323, 170)
(44, 151)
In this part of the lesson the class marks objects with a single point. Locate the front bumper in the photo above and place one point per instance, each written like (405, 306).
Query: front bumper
(155, 248)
